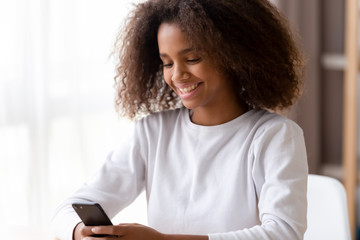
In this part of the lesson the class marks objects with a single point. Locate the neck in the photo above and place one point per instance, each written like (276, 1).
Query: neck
(212, 117)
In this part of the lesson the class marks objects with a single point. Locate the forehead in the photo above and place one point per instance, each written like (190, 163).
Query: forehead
(171, 37)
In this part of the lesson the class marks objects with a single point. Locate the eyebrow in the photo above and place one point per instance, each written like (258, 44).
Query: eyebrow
(182, 52)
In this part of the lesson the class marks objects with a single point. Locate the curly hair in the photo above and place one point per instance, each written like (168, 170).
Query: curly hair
(249, 40)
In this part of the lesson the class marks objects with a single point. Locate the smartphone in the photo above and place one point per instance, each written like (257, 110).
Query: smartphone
(92, 214)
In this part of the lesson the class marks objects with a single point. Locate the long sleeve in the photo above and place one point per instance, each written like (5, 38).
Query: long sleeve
(119, 181)
(280, 177)
(242, 180)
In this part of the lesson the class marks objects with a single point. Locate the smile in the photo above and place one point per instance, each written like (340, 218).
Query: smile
(189, 88)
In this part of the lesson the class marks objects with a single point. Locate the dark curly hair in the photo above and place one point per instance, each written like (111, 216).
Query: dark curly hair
(248, 39)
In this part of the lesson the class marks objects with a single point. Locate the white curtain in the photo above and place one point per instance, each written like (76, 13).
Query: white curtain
(57, 117)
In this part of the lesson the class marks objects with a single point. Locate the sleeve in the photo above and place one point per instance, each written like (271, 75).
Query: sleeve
(118, 182)
(280, 173)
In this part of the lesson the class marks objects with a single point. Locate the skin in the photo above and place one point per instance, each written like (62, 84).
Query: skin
(212, 100)
(201, 88)
(131, 231)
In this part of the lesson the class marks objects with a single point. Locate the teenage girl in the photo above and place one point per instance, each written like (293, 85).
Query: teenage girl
(203, 80)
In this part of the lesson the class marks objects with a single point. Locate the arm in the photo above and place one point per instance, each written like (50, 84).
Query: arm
(115, 186)
(131, 232)
(279, 174)
(185, 237)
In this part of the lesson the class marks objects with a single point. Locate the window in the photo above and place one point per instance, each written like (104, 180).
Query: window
(57, 117)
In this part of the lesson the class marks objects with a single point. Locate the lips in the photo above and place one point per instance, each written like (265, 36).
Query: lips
(187, 91)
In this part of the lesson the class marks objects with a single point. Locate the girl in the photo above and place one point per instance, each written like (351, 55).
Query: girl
(215, 161)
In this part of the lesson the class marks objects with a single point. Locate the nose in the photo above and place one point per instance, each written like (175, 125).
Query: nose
(180, 73)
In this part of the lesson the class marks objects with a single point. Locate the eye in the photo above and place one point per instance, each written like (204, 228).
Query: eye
(194, 60)
(167, 65)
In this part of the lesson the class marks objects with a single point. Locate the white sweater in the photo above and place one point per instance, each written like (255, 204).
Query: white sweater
(245, 179)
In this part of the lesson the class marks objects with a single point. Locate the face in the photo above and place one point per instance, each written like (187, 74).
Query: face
(193, 78)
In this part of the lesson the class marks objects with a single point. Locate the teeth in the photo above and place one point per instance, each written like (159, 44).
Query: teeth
(188, 89)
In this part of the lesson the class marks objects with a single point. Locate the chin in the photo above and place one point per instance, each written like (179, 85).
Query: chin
(189, 105)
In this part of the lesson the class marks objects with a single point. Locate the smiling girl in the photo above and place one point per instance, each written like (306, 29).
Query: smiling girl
(196, 80)
(202, 79)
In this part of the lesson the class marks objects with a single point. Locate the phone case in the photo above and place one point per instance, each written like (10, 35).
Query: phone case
(92, 214)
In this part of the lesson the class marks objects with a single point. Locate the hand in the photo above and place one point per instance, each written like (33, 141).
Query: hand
(126, 231)
(82, 232)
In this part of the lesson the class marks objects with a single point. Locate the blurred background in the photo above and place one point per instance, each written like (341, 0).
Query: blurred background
(57, 117)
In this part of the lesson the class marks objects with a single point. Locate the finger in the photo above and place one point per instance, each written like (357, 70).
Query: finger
(129, 224)
(101, 237)
(108, 230)
(86, 231)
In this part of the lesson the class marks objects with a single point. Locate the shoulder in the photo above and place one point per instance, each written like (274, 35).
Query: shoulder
(158, 120)
(272, 122)
(268, 120)
(162, 116)
(279, 141)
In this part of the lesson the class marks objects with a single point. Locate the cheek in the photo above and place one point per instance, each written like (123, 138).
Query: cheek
(167, 77)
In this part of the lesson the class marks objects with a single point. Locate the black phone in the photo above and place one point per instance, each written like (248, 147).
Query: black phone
(92, 214)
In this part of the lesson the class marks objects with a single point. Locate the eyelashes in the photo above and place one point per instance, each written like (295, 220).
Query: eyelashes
(167, 65)
(189, 61)
(196, 60)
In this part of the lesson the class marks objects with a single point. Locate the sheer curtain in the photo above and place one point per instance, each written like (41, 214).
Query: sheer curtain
(57, 120)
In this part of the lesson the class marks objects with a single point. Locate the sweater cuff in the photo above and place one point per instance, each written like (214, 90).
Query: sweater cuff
(222, 236)
(64, 226)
